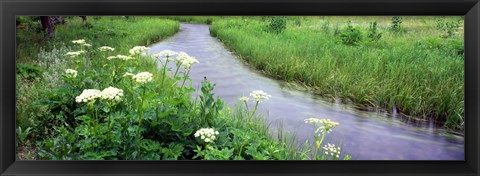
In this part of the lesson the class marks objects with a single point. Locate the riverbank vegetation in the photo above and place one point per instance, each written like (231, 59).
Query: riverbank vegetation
(90, 93)
(411, 65)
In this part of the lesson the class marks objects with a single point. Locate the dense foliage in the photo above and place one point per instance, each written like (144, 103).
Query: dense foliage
(96, 100)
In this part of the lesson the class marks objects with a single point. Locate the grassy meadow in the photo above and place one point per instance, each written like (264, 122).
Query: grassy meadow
(413, 64)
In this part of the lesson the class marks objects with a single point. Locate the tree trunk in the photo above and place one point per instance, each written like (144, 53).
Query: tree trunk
(47, 25)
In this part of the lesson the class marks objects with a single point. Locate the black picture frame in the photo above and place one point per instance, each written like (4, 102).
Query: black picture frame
(9, 9)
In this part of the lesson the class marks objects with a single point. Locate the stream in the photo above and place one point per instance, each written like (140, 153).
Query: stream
(363, 135)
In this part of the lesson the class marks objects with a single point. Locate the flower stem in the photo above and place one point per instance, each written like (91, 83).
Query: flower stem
(141, 118)
(248, 111)
(254, 110)
(318, 144)
(164, 71)
(185, 77)
(176, 71)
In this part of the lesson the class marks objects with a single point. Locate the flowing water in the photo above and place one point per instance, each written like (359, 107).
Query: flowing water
(363, 135)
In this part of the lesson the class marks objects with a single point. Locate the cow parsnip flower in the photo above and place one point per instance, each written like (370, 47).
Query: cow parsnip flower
(137, 50)
(106, 48)
(187, 63)
(166, 53)
(326, 125)
(80, 41)
(143, 77)
(112, 93)
(259, 96)
(313, 121)
(71, 73)
(244, 99)
(128, 74)
(208, 135)
(73, 54)
(122, 57)
(88, 95)
(181, 56)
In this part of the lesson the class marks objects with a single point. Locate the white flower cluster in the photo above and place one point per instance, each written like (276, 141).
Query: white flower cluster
(106, 48)
(138, 49)
(142, 77)
(112, 93)
(166, 53)
(259, 96)
(330, 149)
(185, 60)
(244, 99)
(88, 95)
(87, 45)
(206, 134)
(73, 54)
(327, 124)
(122, 57)
(128, 74)
(71, 73)
(313, 121)
(81, 41)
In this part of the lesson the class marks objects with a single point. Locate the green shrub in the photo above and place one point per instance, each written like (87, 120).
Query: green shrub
(396, 22)
(373, 33)
(277, 25)
(29, 71)
(351, 35)
(448, 28)
(449, 47)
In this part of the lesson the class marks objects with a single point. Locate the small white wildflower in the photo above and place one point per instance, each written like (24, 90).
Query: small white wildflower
(181, 56)
(112, 93)
(330, 149)
(87, 45)
(187, 63)
(313, 121)
(128, 74)
(71, 73)
(326, 124)
(206, 134)
(142, 77)
(73, 54)
(88, 95)
(166, 53)
(137, 50)
(122, 57)
(81, 41)
(106, 48)
(244, 99)
(259, 96)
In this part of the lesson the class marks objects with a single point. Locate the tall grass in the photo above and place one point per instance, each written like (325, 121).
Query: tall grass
(405, 70)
